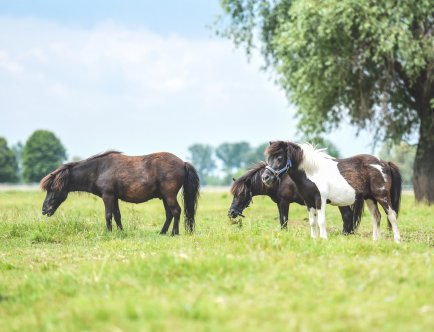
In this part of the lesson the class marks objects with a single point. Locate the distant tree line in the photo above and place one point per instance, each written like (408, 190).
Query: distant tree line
(29, 163)
(44, 152)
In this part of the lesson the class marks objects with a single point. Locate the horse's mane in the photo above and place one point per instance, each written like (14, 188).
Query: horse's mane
(275, 147)
(58, 178)
(102, 154)
(313, 156)
(304, 153)
(239, 185)
(292, 150)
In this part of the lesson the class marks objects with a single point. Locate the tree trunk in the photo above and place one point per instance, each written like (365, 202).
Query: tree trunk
(423, 169)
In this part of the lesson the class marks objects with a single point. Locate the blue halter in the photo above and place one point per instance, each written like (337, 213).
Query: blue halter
(279, 172)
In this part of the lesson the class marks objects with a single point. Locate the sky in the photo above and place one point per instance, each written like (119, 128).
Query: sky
(138, 77)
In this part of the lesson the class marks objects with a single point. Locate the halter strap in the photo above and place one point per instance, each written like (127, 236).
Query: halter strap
(278, 173)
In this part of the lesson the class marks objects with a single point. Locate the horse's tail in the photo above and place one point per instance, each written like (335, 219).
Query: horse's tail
(351, 215)
(347, 218)
(395, 190)
(190, 192)
(358, 206)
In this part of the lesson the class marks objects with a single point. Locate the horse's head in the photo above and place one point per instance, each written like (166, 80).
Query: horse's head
(55, 184)
(241, 189)
(282, 156)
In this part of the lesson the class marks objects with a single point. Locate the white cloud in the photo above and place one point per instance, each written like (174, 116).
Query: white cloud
(112, 86)
(7, 64)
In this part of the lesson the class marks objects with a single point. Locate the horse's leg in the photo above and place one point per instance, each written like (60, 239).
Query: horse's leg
(347, 219)
(169, 217)
(376, 218)
(312, 222)
(284, 208)
(281, 215)
(109, 207)
(176, 212)
(391, 216)
(322, 220)
(117, 215)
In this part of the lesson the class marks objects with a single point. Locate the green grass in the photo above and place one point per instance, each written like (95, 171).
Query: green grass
(66, 273)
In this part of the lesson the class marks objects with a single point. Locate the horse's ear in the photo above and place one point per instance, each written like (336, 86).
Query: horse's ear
(233, 179)
(269, 142)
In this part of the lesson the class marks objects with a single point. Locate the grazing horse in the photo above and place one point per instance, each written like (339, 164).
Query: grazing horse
(340, 182)
(281, 192)
(113, 176)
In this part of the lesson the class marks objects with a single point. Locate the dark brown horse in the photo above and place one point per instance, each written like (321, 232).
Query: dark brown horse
(113, 176)
(281, 192)
(340, 182)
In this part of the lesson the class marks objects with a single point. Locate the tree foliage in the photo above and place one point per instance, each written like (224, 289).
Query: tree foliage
(402, 154)
(42, 153)
(255, 154)
(233, 155)
(201, 155)
(369, 61)
(8, 163)
(234, 159)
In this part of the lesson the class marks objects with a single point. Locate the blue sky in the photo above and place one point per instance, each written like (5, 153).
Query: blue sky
(136, 76)
(184, 17)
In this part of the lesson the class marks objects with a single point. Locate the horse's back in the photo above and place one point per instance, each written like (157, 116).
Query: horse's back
(140, 178)
(364, 172)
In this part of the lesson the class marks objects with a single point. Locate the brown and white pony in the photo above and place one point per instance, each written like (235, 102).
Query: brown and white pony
(282, 192)
(135, 179)
(340, 182)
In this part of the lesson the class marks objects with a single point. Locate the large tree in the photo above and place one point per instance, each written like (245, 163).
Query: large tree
(42, 153)
(369, 61)
(8, 163)
(201, 155)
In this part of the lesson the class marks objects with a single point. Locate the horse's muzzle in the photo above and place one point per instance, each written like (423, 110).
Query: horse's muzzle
(232, 213)
(48, 212)
(268, 179)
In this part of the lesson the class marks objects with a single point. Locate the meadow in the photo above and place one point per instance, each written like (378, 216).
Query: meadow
(66, 273)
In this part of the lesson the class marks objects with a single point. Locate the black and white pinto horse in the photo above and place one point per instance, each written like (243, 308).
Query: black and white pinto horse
(340, 182)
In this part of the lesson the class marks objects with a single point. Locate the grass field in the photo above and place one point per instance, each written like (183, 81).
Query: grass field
(65, 273)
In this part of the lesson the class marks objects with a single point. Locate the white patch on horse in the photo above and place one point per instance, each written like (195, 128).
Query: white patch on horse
(380, 168)
(312, 222)
(322, 170)
(376, 217)
(391, 215)
(321, 220)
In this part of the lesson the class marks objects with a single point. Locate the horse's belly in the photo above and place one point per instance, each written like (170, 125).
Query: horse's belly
(137, 193)
(343, 199)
